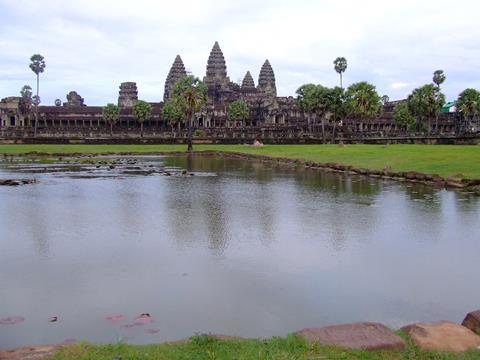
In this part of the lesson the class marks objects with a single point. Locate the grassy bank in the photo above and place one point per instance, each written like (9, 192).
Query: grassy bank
(204, 347)
(444, 160)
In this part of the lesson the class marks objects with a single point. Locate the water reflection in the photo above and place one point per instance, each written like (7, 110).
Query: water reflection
(244, 248)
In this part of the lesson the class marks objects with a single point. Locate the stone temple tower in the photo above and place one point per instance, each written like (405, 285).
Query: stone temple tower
(216, 76)
(177, 71)
(128, 94)
(266, 80)
(248, 85)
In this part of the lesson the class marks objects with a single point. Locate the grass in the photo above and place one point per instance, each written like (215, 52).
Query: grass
(444, 160)
(205, 347)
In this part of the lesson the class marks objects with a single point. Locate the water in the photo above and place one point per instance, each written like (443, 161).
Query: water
(242, 248)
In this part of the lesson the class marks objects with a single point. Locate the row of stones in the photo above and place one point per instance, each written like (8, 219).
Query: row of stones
(412, 176)
(436, 336)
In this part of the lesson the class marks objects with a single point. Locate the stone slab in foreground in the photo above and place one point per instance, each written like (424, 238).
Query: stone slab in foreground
(442, 336)
(472, 321)
(364, 335)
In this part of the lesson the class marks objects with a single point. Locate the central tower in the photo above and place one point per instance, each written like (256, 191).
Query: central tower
(216, 77)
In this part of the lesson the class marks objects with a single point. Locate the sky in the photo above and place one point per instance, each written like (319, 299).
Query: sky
(91, 46)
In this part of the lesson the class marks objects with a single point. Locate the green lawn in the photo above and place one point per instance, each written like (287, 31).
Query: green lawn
(204, 347)
(444, 160)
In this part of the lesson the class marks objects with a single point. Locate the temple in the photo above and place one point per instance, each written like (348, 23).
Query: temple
(270, 115)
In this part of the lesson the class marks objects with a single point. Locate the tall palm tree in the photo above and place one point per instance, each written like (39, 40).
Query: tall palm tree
(340, 64)
(468, 104)
(37, 65)
(111, 114)
(363, 101)
(438, 78)
(306, 101)
(191, 94)
(142, 111)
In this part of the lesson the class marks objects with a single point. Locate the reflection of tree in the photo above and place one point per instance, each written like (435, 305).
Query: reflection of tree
(35, 218)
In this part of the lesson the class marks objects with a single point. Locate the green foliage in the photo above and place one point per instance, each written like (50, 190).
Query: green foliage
(340, 64)
(403, 117)
(142, 111)
(238, 110)
(363, 101)
(306, 97)
(37, 64)
(425, 103)
(203, 347)
(335, 103)
(26, 99)
(439, 77)
(199, 133)
(468, 104)
(111, 113)
(189, 94)
(172, 113)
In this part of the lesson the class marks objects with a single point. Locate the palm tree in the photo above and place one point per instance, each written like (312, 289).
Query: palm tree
(238, 110)
(336, 107)
(438, 78)
(425, 103)
(26, 99)
(363, 101)
(340, 67)
(190, 94)
(385, 99)
(37, 65)
(111, 114)
(171, 114)
(306, 101)
(468, 104)
(142, 111)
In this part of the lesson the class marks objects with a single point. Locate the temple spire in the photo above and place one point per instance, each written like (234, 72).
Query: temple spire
(216, 68)
(248, 82)
(266, 80)
(177, 71)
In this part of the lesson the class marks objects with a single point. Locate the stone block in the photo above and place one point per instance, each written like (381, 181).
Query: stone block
(472, 321)
(364, 335)
(442, 336)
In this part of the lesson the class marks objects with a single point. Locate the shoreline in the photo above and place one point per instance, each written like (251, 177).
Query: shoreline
(433, 180)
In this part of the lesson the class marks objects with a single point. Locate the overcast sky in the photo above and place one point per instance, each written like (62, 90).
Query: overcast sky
(91, 46)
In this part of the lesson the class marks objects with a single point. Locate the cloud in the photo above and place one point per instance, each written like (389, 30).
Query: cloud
(93, 46)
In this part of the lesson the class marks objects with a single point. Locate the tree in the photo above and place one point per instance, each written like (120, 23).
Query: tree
(306, 101)
(190, 94)
(335, 105)
(439, 78)
(363, 101)
(142, 111)
(403, 117)
(385, 99)
(37, 65)
(172, 114)
(111, 114)
(340, 65)
(26, 99)
(468, 104)
(238, 110)
(425, 103)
